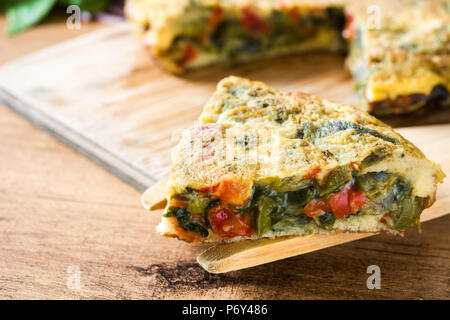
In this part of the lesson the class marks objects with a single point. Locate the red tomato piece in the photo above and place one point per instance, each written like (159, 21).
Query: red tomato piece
(316, 207)
(229, 225)
(178, 203)
(294, 14)
(349, 29)
(383, 219)
(312, 173)
(203, 190)
(189, 54)
(252, 22)
(357, 200)
(355, 166)
(339, 203)
(343, 203)
(231, 192)
(348, 201)
(215, 18)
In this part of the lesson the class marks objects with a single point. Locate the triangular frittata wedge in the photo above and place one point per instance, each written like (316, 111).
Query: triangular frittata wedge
(262, 163)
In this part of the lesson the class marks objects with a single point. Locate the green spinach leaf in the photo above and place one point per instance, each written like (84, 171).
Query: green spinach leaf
(24, 14)
(290, 222)
(302, 197)
(407, 212)
(336, 180)
(182, 216)
(327, 219)
(334, 126)
(265, 207)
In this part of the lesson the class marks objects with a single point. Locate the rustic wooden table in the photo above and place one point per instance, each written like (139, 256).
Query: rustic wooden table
(65, 222)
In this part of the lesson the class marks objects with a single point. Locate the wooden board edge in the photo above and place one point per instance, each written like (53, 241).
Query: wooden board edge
(82, 144)
(122, 27)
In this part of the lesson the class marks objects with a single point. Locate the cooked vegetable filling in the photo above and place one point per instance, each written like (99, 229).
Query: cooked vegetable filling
(346, 193)
(236, 35)
(265, 164)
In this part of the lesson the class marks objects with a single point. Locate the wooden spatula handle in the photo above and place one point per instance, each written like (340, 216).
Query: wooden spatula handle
(154, 198)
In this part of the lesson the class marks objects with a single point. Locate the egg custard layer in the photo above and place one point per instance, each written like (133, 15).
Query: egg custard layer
(264, 164)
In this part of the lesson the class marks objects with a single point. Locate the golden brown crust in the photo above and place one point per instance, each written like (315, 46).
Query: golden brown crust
(240, 107)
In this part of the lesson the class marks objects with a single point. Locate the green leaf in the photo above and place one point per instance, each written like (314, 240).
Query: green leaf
(302, 197)
(24, 14)
(336, 180)
(407, 213)
(291, 222)
(92, 6)
(265, 206)
(327, 220)
(333, 126)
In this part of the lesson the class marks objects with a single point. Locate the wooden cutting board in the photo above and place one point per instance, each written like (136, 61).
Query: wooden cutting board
(103, 95)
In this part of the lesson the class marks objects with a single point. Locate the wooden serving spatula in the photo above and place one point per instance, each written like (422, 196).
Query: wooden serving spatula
(433, 140)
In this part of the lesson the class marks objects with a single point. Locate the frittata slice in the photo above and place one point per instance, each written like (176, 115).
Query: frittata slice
(400, 54)
(264, 164)
(185, 34)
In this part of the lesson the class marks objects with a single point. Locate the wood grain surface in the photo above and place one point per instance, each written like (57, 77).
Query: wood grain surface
(58, 209)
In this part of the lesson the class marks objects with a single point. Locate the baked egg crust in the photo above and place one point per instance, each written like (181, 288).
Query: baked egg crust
(265, 164)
